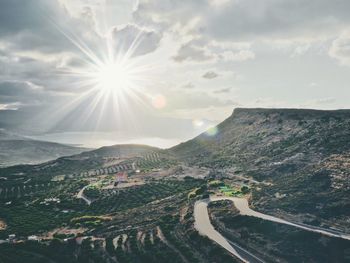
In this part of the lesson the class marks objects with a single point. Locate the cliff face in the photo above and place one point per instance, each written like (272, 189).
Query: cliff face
(305, 154)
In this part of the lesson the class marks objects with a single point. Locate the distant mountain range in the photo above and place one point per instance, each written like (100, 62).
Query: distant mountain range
(15, 149)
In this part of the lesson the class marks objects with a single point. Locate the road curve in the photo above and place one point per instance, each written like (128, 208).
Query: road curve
(204, 226)
(242, 205)
(81, 195)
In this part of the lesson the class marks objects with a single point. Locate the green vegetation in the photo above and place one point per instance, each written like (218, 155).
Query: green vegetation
(27, 220)
(215, 183)
(31, 214)
(230, 191)
(41, 209)
(92, 191)
(89, 221)
(301, 159)
(136, 196)
(275, 242)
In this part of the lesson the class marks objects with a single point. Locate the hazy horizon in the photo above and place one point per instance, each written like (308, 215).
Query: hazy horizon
(164, 71)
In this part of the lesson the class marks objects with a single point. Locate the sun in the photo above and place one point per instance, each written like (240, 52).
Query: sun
(113, 77)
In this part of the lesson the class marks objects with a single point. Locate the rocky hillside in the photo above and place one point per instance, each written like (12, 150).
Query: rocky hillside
(304, 154)
(264, 137)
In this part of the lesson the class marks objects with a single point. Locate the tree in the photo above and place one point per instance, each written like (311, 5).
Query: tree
(245, 189)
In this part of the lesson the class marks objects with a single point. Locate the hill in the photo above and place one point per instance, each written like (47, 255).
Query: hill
(292, 164)
(15, 149)
(304, 155)
(102, 158)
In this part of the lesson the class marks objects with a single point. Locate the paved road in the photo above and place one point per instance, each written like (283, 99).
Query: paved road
(249, 257)
(204, 226)
(81, 195)
(243, 207)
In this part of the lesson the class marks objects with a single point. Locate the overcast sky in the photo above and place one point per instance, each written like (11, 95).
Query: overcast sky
(202, 58)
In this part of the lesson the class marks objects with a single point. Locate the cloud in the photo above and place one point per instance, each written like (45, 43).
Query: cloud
(20, 93)
(27, 16)
(244, 21)
(219, 3)
(224, 90)
(10, 106)
(203, 50)
(188, 85)
(301, 49)
(190, 52)
(340, 49)
(210, 75)
(277, 19)
(28, 23)
(140, 40)
(186, 38)
(241, 55)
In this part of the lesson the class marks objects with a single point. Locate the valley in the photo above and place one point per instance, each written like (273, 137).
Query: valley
(277, 181)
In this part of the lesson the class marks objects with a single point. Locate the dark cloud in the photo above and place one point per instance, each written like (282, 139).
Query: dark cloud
(20, 15)
(140, 40)
(224, 90)
(210, 75)
(21, 92)
(25, 24)
(188, 85)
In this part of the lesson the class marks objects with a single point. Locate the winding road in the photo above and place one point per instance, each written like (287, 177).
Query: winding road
(204, 226)
(81, 195)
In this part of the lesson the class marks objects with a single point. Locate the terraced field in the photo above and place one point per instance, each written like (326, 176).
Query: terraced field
(116, 200)
(15, 191)
(161, 232)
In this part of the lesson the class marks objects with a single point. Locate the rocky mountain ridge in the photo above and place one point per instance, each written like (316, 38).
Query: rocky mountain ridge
(303, 154)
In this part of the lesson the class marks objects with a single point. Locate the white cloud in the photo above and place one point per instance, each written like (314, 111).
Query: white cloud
(249, 19)
(340, 49)
(219, 3)
(241, 55)
(300, 50)
(10, 106)
(190, 52)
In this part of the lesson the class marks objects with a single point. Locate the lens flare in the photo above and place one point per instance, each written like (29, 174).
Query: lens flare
(159, 101)
(212, 131)
(198, 123)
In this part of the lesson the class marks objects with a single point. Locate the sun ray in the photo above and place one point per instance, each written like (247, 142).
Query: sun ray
(109, 80)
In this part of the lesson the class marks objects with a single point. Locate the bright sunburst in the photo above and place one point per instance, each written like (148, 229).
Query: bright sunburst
(113, 76)
(111, 81)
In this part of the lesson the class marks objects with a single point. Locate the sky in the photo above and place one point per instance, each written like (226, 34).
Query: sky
(100, 72)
